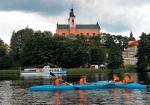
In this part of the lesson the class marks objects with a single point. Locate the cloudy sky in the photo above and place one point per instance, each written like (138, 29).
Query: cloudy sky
(114, 16)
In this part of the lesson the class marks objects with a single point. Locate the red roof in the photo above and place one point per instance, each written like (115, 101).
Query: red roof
(133, 43)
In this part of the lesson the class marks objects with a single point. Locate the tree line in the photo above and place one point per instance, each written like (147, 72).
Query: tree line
(5, 58)
(35, 48)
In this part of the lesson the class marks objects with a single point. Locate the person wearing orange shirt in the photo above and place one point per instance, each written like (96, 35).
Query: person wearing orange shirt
(57, 81)
(127, 79)
(60, 82)
(83, 80)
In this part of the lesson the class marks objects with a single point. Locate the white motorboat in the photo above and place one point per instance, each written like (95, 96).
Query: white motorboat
(45, 71)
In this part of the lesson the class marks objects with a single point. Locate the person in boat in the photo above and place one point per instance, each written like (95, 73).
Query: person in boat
(60, 82)
(116, 78)
(127, 79)
(83, 80)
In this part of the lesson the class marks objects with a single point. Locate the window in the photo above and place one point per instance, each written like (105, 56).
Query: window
(72, 20)
(87, 34)
(63, 34)
(93, 34)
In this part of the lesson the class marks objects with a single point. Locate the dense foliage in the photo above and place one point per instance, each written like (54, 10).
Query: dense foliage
(115, 59)
(5, 59)
(97, 55)
(143, 54)
(115, 45)
(43, 49)
(36, 48)
(17, 40)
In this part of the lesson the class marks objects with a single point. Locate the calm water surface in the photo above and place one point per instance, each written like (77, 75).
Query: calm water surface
(16, 92)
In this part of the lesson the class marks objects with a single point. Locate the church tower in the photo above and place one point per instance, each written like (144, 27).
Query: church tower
(131, 36)
(72, 29)
(72, 22)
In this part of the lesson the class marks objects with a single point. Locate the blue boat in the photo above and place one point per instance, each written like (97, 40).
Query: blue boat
(96, 85)
(132, 85)
(67, 87)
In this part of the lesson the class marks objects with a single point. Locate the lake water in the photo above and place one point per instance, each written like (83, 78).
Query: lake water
(16, 92)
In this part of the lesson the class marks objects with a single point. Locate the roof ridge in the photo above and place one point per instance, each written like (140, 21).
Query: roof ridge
(79, 26)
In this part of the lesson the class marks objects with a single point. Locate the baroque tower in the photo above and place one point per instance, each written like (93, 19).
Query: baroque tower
(72, 28)
(72, 22)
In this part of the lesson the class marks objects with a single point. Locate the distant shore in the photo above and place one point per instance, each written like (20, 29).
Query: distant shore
(84, 71)
(15, 73)
(9, 74)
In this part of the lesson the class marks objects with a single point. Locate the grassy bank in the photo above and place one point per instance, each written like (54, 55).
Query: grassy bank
(127, 69)
(9, 74)
(78, 71)
(83, 71)
(15, 73)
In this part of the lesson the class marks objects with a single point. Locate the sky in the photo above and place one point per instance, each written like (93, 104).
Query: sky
(114, 16)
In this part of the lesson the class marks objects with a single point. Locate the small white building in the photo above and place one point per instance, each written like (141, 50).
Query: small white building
(129, 54)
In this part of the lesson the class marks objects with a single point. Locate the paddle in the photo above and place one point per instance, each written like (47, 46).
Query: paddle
(52, 74)
(76, 88)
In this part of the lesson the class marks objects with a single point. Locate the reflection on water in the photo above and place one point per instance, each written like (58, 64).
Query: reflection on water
(15, 92)
(83, 97)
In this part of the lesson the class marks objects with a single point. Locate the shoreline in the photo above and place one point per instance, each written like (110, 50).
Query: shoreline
(15, 73)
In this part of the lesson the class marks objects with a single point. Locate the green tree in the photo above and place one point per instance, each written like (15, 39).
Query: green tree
(97, 55)
(121, 41)
(111, 40)
(5, 59)
(42, 49)
(17, 40)
(116, 45)
(75, 54)
(94, 40)
(115, 59)
(37, 50)
(107, 40)
(82, 40)
(143, 54)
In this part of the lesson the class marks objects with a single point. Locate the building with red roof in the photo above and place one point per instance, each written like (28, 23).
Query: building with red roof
(72, 28)
(129, 54)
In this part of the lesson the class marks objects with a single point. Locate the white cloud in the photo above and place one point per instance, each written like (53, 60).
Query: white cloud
(114, 16)
(129, 15)
(18, 20)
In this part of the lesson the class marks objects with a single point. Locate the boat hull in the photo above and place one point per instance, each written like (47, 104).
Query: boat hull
(41, 73)
(102, 85)
(35, 74)
(55, 88)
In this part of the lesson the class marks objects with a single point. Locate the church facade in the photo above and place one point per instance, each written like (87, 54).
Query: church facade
(72, 28)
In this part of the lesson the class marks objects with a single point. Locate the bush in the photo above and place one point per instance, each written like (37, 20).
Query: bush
(5, 62)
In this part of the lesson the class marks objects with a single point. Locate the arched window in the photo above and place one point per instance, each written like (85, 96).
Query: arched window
(93, 34)
(81, 33)
(87, 34)
(72, 20)
(63, 34)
